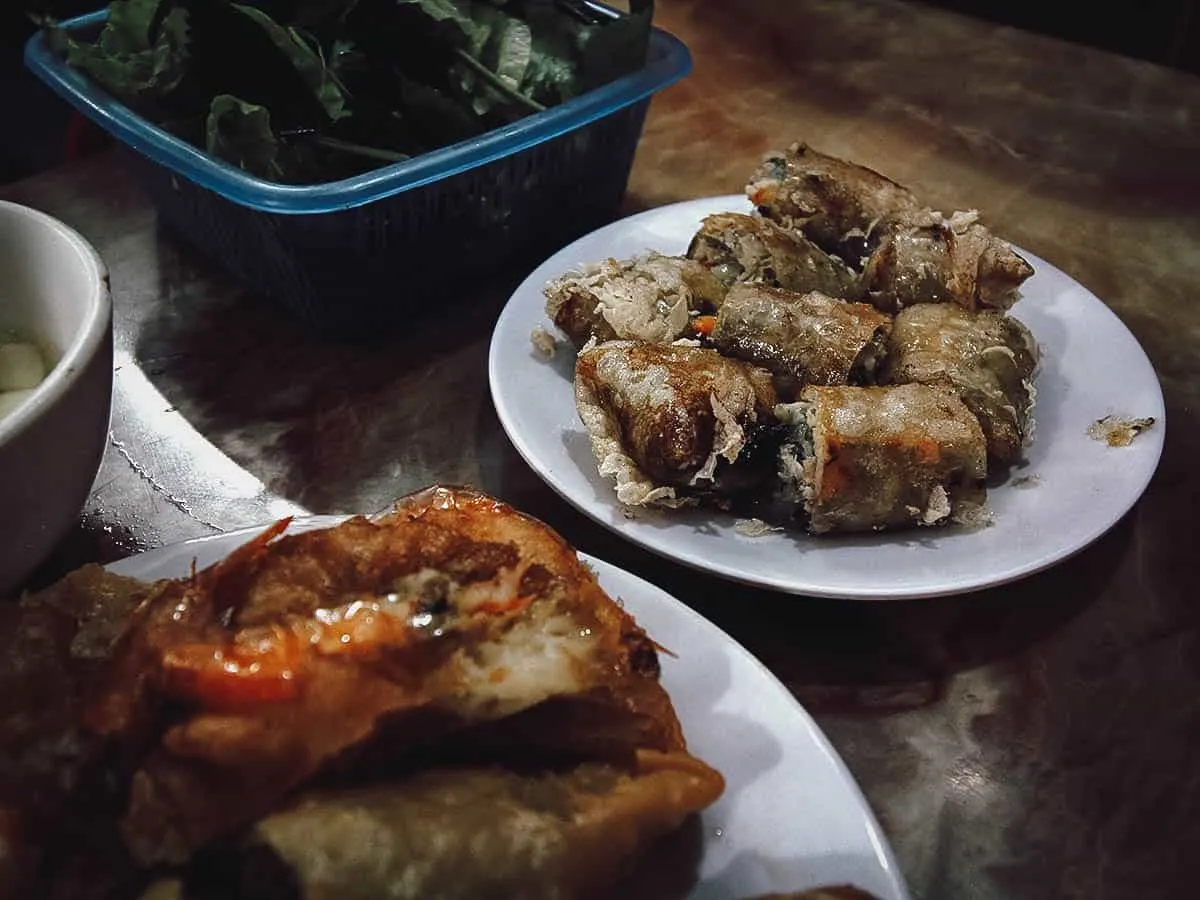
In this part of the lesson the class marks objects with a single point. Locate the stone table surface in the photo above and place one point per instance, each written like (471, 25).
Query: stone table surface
(1038, 740)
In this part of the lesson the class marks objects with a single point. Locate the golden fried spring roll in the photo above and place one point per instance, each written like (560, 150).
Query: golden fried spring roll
(741, 248)
(906, 252)
(837, 203)
(802, 338)
(647, 299)
(666, 419)
(870, 458)
(931, 259)
(988, 357)
(469, 833)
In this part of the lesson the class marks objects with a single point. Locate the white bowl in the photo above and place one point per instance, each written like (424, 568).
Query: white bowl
(54, 291)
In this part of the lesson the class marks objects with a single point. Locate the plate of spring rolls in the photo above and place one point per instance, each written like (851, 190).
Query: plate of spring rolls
(442, 700)
(824, 387)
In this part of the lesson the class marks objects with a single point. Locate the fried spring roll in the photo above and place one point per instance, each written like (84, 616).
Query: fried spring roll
(667, 420)
(802, 338)
(741, 248)
(647, 299)
(931, 259)
(988, 357)
(907, 252)
(470, 833)
(835, 202)
(870, 458)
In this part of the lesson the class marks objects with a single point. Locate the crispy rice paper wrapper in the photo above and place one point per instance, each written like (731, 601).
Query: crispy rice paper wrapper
(907, 253)
(650, 298)
(988, 357)
(835, 203)
(871, 458)
(469, 834)
(665, 420)
(753, 250)
(802, 338)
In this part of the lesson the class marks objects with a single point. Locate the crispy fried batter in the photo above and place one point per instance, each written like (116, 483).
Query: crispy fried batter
(830, 198)
(453, 627)
(802, 338)
(543, 836)
(239, 749)
(907, 253)
(662, 417)
(53, 646)
(644, 299)
(753, 250)
(884, 457)
(989, 357)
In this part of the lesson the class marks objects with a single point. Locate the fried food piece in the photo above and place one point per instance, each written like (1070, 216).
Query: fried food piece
(802, 338)
(740, 248)
(836, 203)
(907, 253)
(931, 259)
(669, 420)
(647, 299)
(54, 645)
(870, 458)
(988, 357)
(293, 653)
(469, 833)
(452, 636)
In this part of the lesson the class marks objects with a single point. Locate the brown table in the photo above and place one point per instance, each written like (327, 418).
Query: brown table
(1036, 740)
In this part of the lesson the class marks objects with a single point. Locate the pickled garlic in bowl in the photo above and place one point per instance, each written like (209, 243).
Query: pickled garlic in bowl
(22, 368)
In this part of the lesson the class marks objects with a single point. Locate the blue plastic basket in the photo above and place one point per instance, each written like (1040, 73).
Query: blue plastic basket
(364, 253)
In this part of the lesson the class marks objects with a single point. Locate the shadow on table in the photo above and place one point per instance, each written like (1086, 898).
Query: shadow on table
(330, 425)
(845, 656)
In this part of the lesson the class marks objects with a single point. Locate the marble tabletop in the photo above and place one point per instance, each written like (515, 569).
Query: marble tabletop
(1039, 740)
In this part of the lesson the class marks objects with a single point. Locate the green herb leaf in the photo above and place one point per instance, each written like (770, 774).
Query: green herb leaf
(514, 52)
(127, 29)
(307, 61)
(552, 73)
(240, 133)
(474, 21)
(125, 59)
(576, 49)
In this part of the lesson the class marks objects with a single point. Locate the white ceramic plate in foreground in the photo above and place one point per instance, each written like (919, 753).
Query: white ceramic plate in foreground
(1073, 489)
(791, 817)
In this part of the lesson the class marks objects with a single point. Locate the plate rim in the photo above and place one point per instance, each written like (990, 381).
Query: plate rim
(884, 855)
(967, 586)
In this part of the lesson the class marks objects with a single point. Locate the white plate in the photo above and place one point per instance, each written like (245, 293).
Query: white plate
(791, 817)
(1073, 489)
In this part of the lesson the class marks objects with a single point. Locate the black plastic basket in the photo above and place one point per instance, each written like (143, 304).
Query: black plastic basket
(360, 255)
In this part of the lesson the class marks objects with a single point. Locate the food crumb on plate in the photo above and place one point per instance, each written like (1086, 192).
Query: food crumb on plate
(972, 516)
(1118, 432)
(543, 342)
(753, 528)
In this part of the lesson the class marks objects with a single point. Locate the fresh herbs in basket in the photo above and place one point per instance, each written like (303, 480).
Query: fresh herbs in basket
(308, 91)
